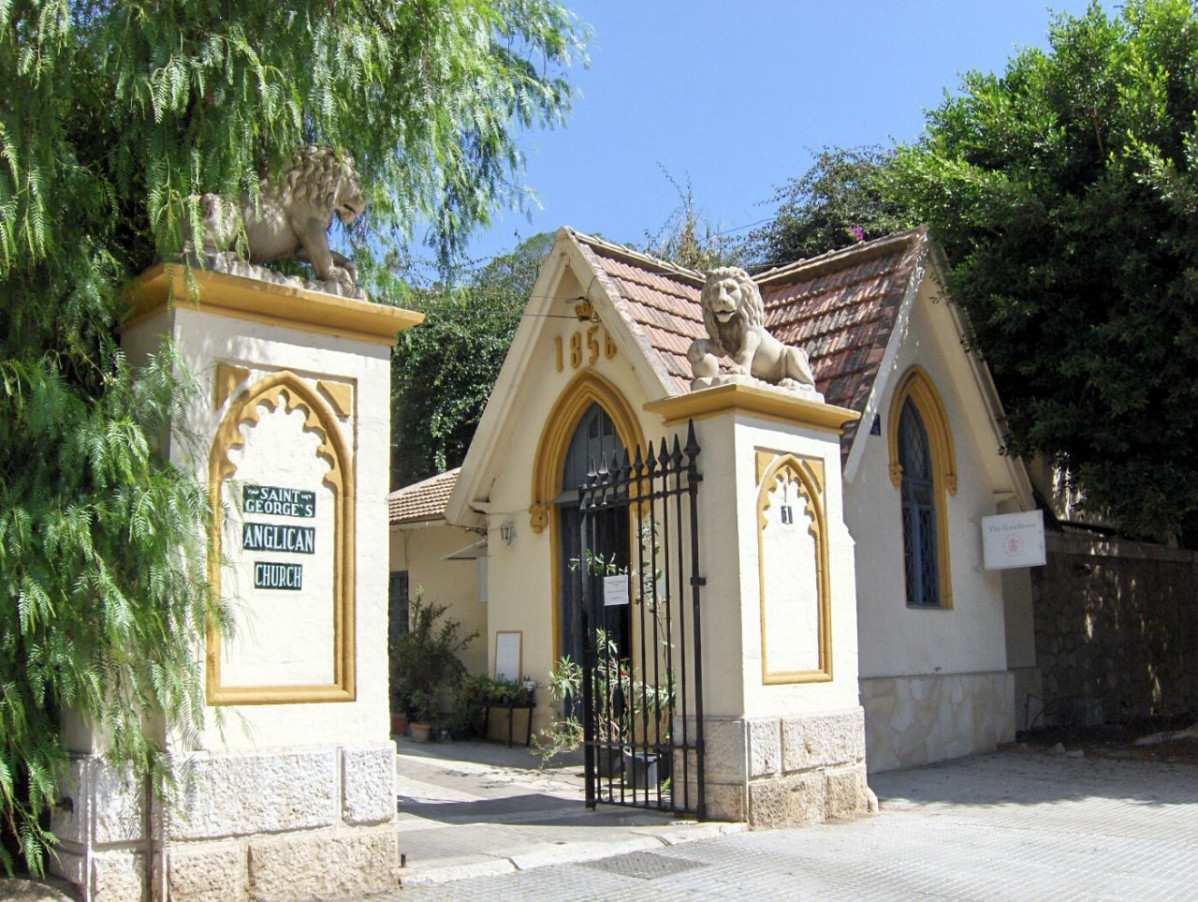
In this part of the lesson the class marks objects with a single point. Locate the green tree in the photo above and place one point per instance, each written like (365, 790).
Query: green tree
(111, 116)
(1064, 192)
(442, 373)
(843, 198)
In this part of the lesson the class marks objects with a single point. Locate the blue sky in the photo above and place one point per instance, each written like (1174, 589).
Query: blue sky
(736, 96)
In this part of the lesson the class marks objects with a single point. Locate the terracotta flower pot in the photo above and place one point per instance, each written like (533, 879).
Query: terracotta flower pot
(418, 732)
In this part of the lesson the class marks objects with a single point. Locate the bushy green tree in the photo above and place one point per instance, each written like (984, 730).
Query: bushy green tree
(845, 197)
(1065, 194)
(442, 372)
(111, 116)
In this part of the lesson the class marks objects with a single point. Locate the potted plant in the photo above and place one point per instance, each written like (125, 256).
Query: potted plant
(425, 664)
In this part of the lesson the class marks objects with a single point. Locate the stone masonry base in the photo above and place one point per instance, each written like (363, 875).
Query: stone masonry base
(786, 771)
(915, 720)
(267, 826)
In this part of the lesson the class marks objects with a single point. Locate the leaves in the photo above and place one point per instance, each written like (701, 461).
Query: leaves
(1063, 192)
(111, 115)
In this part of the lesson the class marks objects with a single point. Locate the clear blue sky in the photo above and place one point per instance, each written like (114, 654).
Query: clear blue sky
(736, 96)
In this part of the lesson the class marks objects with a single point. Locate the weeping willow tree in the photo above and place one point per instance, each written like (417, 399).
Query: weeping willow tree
(112, 114)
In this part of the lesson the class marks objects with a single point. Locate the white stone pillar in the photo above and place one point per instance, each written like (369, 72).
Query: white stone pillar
(287, 789)
(783, 728)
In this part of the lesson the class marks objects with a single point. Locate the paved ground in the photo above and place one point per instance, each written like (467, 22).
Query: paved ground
(1016, 825)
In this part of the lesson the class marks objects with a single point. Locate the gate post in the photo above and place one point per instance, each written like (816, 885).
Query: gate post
(783, 729)
(286, 791)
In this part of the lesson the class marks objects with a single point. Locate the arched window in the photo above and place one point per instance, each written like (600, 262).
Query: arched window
(920, 548)
(923, 469)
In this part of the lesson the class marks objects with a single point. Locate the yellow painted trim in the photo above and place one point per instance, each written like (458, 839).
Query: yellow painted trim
(341, 394)
(166, 286)
(286, 388)
(916, 386)
(228, 377)
(804, 472)
(585, 389)
(752, 400)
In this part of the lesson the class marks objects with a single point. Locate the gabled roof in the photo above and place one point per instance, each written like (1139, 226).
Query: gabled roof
(841, 307)
(422, 501)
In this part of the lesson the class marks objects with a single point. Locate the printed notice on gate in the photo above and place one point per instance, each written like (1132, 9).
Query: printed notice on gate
(1013, 540)
(615, 591)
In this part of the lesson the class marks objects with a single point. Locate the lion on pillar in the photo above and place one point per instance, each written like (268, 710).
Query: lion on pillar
(735, 319)
(292, 217)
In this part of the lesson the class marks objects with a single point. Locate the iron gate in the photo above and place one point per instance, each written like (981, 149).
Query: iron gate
(642, 656)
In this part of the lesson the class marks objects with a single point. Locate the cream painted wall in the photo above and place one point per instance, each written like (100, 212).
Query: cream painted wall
(421, 551)
(521, 591)
(841, 691)
(264, 348)
(896, 640)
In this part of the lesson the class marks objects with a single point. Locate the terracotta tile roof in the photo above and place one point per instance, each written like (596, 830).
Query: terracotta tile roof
(841, 307)
(422, 501)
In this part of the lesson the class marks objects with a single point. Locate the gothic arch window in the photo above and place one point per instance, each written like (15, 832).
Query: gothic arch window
(923, 469)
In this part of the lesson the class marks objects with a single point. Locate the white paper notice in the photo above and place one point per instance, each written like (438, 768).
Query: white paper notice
(615, 591)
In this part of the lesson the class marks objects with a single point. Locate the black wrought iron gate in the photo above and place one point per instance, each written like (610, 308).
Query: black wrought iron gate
(641, 606)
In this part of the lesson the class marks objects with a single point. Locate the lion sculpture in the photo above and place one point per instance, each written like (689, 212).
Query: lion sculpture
(735, 316)
(293, 215)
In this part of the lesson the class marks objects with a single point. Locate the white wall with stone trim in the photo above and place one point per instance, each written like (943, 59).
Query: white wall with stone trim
(914, 712)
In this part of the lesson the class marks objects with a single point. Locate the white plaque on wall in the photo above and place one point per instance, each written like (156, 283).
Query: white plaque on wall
(1013, 540)
(615, 591)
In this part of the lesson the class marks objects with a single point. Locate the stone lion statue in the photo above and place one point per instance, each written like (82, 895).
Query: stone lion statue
(735, 316)
(293, 215)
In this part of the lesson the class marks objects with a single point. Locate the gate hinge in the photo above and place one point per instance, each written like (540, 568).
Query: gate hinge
(698, 580)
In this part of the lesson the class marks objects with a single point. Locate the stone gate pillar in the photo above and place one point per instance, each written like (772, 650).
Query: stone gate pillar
(783, 729)
(287, 789)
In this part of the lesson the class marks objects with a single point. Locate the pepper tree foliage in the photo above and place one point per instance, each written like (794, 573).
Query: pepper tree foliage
(1065, 194)
(111, 116)
(442, 372)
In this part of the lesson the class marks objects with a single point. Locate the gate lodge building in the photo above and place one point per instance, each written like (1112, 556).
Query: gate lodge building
(943, 646)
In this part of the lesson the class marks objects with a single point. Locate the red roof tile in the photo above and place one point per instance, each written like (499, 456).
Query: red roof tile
(840, 307)
(422, 501)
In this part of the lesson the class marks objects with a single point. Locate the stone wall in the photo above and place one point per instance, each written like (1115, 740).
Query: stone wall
(786, 771)
(914, 720)
(274, 825)
(1116, 623)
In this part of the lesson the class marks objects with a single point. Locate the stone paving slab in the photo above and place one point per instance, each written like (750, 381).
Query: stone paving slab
(471, 810)
(1013, 826)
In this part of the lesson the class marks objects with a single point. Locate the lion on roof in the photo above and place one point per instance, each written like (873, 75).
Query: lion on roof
(735, 319)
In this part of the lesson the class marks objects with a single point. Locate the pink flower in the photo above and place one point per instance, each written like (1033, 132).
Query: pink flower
(858, 233)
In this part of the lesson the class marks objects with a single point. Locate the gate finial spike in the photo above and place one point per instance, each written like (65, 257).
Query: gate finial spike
(613, 468)
(692, 443)
(626, 465)
(638, 463)
(663, 456)
(676, 455)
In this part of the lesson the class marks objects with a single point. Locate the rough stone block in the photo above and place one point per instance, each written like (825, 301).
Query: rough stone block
(368, 784)
(67, 865)
(262, 792)
(765, 747)
(70, 824)
(725, 801)
(823, 740)
(118, 804)
(118, 877)
(789, 802)
(846, 793)
(212, 873)
(725, 757)
(347, 864)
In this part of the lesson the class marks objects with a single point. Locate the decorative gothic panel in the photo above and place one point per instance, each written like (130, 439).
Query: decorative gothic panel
(281, 480)
(793, 563)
